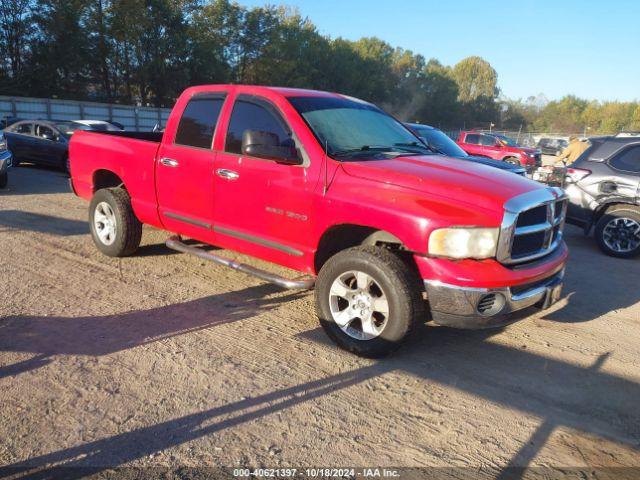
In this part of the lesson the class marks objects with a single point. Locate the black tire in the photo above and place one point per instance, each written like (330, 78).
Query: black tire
(513, 161)
(397, 281)
(4, 179)
(616, 214)
(128, 229)
(66, 165)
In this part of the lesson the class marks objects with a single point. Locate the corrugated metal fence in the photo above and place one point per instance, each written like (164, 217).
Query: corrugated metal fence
(133, 118)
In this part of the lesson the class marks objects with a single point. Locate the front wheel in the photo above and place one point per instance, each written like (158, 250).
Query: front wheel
(618, 231)
(115, 229)
(512, 161)
(4, 179)
(367, 300)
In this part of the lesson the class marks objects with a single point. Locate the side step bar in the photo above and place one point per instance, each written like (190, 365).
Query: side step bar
(175, 243)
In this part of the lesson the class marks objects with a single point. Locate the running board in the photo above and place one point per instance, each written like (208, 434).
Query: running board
(175, 243)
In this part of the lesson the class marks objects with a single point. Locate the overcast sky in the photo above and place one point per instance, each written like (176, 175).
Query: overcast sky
(588, 48)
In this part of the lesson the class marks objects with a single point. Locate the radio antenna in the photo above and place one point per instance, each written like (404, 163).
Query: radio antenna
(325, 185)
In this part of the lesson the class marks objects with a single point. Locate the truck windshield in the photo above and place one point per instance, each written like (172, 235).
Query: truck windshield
(352, 128)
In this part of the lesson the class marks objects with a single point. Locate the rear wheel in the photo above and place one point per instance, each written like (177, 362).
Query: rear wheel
(4, 179)
(367, 300)
(115, 229)
(618, 231)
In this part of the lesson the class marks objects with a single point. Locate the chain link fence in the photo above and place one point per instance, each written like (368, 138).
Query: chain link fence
(131, 117)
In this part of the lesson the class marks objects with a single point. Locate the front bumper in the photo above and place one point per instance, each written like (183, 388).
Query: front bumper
(473, 308)
(6, 160)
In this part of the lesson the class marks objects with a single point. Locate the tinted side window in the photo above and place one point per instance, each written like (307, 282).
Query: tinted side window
(487, 140)
(628, 160)
(198, 121)
(41, 131)
(472, 138)
(248, 115)
(24, 128)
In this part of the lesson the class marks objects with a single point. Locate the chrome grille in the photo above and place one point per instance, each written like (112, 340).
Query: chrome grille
(532, 225)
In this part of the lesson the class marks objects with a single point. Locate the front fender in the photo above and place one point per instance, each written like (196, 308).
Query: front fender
(407, 214)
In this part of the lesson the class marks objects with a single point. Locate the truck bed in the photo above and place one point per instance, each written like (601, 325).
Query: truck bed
(155, 137)
(129, 155)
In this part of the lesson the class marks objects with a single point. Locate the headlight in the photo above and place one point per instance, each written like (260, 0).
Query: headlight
(459, 242)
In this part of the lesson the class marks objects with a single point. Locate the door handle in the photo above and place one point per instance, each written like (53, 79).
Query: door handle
(168, 162)
(228, 174)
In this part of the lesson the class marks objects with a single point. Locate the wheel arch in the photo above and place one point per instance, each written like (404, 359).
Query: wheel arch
(612, 202)
(346, 235)
(104, 178)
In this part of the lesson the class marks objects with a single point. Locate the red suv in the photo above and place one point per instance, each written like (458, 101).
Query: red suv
(499, 147)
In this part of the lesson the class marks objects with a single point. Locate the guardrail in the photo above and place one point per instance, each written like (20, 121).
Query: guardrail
(131, 117)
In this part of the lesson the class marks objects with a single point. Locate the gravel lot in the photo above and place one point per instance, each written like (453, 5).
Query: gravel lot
(163, 360)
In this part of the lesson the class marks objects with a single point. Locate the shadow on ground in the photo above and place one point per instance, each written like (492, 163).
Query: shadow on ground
(28, 179)
(467, 361)
(48, 336)
(41, 223)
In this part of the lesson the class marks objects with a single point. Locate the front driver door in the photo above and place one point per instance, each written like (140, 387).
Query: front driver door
(184, 169)
(262, 207)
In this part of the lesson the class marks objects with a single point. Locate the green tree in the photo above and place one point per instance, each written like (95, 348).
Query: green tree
(475, 78)
(16, 31)
(60, 62)
(439, 100)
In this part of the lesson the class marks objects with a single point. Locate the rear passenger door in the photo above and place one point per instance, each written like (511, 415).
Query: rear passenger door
(626, 163)
(471, 144)
(184, 169)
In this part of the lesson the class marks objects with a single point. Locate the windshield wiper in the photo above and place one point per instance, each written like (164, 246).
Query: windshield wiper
(421, 146)
(364, 148)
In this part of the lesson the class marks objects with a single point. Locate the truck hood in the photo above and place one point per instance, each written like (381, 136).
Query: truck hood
(460, 181)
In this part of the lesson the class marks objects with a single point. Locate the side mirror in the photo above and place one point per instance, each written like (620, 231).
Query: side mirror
(48, 136)
(257, 143)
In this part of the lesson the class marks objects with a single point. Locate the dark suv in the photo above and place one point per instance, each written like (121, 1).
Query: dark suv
(603, 185)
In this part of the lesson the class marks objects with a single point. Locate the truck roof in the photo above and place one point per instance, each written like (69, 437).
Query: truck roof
(262, 89)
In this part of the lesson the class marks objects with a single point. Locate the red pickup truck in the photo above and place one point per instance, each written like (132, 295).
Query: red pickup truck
(334, 188)
(499, 147)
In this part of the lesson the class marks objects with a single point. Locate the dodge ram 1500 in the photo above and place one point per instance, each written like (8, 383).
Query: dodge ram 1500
(334, 188)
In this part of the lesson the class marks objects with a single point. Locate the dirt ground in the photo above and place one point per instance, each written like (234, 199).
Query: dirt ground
(163, 360)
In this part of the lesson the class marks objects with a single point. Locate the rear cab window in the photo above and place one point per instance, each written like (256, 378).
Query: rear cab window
(199, 119)
(472, 138)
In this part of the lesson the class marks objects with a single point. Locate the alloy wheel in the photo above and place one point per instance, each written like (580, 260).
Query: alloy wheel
(358, 304)
(622, 234)
(104, 222)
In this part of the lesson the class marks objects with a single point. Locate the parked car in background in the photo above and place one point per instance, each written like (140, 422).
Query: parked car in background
(5, 161)
(603, 186)
(7, 121)
(47, 142)
(552, 146)
(499, 147)
(336, 189)
(440, 142)
(100, 125)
